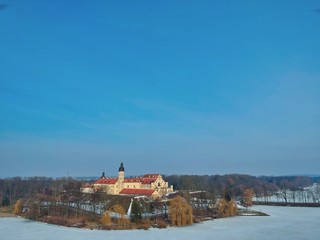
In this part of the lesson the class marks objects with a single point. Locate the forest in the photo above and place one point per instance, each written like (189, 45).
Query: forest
(262, 185)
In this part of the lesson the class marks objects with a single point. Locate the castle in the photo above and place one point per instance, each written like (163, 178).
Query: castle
(151, 185)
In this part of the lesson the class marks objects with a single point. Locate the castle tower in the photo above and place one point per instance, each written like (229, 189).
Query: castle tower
(121, 173)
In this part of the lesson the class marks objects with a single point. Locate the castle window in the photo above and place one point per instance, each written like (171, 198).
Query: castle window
(159, 184)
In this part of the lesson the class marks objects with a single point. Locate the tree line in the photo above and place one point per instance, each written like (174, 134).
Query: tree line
(238, 183)
(12, 189)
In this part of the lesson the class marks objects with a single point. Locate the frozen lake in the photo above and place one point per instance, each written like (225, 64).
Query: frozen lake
(284, 223)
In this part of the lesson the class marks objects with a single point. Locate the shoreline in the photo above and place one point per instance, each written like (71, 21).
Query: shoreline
(285, 204)
(5, 215)
(6, 212)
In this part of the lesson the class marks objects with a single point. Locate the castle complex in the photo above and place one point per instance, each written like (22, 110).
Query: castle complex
(151, 185)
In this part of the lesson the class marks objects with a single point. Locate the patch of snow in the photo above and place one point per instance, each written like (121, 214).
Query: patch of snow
(282, 224)
(248, 214)
(130, 207)
(240, 206)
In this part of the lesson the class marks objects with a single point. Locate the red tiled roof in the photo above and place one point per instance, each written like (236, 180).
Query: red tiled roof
(148, 180)
(136, 179)
(151, 175)
(133, 191)
(106, 181)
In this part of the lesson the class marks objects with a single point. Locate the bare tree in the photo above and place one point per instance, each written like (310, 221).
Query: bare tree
(180, 212)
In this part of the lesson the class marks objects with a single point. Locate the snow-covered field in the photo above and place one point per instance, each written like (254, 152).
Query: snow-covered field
(284, 223)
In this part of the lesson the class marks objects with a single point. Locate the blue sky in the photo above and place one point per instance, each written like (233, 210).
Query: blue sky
(176, 87)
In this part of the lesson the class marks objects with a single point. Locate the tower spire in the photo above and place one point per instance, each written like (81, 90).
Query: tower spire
(121, 168)
(121, 173)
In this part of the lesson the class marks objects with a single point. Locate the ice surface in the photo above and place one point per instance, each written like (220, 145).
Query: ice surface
(284, 223)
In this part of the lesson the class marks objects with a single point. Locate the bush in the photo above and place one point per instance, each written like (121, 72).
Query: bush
(161, 223)
(33, 212)
(143, 224)
(106, 219)
(123, 222)
(56, 220)
(227, 208)
(77, 222)
(247, 197)
(18, 207)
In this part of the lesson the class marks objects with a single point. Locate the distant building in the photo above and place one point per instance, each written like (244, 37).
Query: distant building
(151, 185)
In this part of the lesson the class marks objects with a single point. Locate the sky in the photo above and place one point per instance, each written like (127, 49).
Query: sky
(171, 87)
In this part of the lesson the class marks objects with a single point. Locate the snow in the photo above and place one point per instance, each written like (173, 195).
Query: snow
(284, 223)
